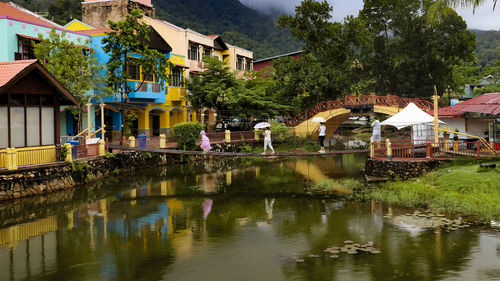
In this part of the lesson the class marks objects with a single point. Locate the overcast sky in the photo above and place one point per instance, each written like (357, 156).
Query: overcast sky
(483, 18)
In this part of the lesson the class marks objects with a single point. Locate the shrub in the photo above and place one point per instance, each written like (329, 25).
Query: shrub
(186, 134)
(280, 131)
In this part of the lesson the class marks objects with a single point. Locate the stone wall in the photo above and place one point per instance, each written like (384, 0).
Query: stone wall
(98, 13)
(30, 181)
(400, 169)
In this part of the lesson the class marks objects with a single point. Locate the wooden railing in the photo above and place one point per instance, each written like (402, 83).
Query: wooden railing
(425, 149)
(485, 143)
(37, 155)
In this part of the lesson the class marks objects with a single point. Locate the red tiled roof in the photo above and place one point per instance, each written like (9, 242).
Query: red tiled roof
(9, 69)
(96, 31)
(8, 9)
(487, 104)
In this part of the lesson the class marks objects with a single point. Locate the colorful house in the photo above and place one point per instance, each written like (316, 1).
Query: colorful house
(20, 28)
(158, 110)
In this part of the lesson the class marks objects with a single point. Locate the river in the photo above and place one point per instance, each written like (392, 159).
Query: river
(233, 220)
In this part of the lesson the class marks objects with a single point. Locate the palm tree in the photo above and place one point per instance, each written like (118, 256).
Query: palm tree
(442, 8)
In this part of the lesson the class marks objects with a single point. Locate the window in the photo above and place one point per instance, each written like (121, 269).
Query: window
(207, 52)
(134, 72)
(176, 78)
(193, 52)
(28, 52)
(239, 63)
(248, 66)
(17, 126)
(48, 130)
(33, 126)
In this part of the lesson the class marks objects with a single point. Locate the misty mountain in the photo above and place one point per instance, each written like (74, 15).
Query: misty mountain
(238, 24)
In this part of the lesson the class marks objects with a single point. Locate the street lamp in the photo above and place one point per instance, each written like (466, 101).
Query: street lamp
(356, 65)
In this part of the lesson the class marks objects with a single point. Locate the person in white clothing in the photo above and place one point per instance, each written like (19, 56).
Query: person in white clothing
(267, 140)
(321, 137)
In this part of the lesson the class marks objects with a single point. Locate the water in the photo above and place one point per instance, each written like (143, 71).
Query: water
(155, 225)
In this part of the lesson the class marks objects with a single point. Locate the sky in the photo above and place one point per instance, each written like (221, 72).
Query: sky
(483, 18)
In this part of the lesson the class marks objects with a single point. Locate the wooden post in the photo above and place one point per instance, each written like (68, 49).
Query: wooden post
(101, 147)
(228, 136)
(69, 155)
(163, 141)
(388, 145)
(428, 150)
(11, 159)
(103, 126)
(131, 141)
(372, 149)
(256, 134)
(478, 149)
(436, 119)
(89, 131)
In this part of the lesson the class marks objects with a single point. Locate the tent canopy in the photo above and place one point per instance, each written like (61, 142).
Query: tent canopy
(410, 115)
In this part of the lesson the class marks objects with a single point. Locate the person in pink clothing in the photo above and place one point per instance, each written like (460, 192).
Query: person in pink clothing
(205, 142)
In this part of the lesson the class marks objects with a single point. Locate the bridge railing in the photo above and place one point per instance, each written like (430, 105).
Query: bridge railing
(388, 100)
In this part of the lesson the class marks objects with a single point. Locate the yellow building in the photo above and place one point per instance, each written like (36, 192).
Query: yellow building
(188, 49)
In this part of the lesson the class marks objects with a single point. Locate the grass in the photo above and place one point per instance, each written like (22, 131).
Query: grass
(305, 144)
(463, 187)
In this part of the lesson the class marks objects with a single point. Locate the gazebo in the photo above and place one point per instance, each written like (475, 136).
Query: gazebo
(30, 98)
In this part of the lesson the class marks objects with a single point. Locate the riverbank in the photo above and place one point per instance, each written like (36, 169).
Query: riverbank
(463, 188)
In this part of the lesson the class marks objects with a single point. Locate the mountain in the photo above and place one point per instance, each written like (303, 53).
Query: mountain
(488, 46)
(238, 24)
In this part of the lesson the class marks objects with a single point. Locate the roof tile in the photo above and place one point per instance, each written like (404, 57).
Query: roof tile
(11, 10)
(9, 69)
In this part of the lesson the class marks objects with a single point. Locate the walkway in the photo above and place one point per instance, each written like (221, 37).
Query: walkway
(234, 154)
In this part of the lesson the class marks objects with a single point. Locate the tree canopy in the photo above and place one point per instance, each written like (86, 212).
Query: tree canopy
(219, 88)
(74, 65)
(397, 51)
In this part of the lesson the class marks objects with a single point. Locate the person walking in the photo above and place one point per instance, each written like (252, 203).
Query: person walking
(205, 142)
(321, 137)
(267, 140)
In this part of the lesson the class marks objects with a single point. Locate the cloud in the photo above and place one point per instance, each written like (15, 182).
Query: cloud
(483, 18)
(341, 8)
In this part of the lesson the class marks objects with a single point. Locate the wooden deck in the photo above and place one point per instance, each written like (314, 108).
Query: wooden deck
(235, 154)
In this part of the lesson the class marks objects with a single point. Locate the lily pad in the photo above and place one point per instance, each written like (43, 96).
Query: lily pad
(348, 242)
(334, 256)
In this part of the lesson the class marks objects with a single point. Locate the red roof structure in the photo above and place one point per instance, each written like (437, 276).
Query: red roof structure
(9, 69)
(15, 12)
(11, 72)
(485, 104)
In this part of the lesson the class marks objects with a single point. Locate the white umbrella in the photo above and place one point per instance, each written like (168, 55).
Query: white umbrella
(318, 120)
(262, 125)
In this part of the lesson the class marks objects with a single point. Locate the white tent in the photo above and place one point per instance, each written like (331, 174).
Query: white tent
(420, 121)
(410, 115)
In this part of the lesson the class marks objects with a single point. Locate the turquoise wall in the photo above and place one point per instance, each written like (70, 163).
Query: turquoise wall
(10, 28)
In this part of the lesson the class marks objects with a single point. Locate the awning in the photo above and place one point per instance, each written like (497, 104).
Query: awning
(180, 65)
(29, 37)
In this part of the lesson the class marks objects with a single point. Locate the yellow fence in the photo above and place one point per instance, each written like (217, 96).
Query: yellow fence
(12, 235)
(31, 155)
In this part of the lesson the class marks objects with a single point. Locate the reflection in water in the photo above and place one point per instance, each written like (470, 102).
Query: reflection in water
(144, 232)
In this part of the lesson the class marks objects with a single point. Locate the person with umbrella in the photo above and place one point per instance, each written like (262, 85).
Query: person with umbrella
(267, 135)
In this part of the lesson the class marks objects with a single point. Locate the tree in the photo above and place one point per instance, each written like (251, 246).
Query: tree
(74, 65)
(416, 56)
(218, 88)
(63, 11)
(130, 36)
(332, 47)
